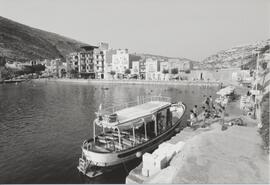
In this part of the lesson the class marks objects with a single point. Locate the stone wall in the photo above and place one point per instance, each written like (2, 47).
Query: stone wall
(222, 75)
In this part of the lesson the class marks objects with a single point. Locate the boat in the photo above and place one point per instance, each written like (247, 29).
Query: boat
(127, 131)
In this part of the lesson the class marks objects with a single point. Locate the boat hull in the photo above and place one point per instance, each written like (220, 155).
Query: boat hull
(115, 158)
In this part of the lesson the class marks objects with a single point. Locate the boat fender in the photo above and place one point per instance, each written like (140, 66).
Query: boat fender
(177, 130)
(138, 154)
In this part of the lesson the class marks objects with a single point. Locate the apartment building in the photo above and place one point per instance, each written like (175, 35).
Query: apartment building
(122, 60)
(152, 69)
(81, 63)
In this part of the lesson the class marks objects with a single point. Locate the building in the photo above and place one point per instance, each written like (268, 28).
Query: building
(122, 60)
(164, 69)
(108, 63)
(182, 65)
(135, 68)
(142, 68)
(152, 69)
(55, 68)
(81, 64)
(103, 46)
(98, 61)
(138, 68)
(174, 63)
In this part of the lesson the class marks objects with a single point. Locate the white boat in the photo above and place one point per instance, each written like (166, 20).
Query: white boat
(127, 131)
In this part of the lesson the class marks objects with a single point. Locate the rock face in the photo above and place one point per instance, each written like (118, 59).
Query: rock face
(20, 42)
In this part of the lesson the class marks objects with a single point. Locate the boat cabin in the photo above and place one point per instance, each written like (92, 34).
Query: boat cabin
(127, 127)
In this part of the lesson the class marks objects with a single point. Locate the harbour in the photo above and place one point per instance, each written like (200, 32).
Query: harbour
(43, 126)
(134, 92)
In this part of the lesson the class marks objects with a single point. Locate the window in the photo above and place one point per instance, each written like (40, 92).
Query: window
(162, 121)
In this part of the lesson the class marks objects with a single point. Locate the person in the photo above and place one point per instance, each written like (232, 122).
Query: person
(195, 110)
(206, 102)
(211, 102)
(203, 114)
(192, 118)
(214, 112)
(222, 115)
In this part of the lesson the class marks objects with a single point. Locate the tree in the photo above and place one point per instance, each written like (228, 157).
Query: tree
(38, 68)
(127, 71)
(2, 61)
(73, 73)
(165, 71)
(175, 71)
(7, 73)
(112, 73)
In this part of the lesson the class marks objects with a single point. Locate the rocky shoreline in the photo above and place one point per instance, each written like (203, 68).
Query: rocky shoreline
(212, 154)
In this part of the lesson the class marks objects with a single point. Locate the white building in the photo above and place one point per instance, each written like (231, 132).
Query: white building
(164, 69)
(135, 67)
(108, 63)
(120, 61)
(152, 71)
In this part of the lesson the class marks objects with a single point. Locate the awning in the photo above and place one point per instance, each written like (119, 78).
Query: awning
(226, 91)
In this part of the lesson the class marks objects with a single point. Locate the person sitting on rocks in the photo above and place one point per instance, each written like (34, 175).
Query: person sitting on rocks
(214, 113)
(203, 114)
(211, 102)
(222, 115)
(195, 110)
(192, 118)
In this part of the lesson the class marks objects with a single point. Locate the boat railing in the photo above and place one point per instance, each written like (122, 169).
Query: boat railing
(140, 100)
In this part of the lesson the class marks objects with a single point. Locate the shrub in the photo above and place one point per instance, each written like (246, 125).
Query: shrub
(165, 71)
(174, 71)
(264, 130)
(127, 71)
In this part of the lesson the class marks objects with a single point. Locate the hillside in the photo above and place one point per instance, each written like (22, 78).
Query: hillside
(234, 57)
(144, 55)
(20, 42)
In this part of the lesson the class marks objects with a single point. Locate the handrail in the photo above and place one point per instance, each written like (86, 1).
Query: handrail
(140, 100)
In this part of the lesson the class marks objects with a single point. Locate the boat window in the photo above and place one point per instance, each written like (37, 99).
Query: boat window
(163, 120)
(150, 127)
(169, 118)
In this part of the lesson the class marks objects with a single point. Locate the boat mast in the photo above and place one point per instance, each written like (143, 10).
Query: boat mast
(155, 120)
(145, 133)
(119, 137)
(133, 129)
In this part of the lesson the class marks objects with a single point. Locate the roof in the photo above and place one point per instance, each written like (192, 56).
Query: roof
(88, 47)
(131, 117)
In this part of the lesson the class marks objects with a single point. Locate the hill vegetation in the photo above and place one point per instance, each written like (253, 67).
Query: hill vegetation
(240, 56)
(21, 43)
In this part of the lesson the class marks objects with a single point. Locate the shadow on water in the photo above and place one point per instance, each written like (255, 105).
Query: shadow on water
(116, 176)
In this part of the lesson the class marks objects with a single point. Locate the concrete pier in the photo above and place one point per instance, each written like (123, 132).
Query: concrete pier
(134, 82)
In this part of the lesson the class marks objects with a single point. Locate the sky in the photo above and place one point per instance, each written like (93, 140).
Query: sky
(193, 29)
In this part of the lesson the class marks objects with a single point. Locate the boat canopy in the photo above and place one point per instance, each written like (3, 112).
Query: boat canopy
(133, 117)
(226, 91)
